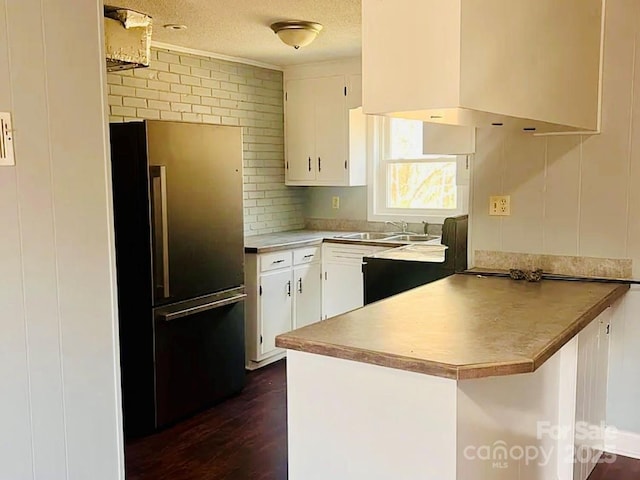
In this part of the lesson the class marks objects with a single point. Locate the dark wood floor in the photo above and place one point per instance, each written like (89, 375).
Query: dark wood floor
(622, 468)
(245, 438)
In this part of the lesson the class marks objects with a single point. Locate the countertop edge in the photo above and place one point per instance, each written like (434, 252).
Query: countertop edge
(380, 359)
(368, 243)
(579, 325)
(476, 371)
(285, 246)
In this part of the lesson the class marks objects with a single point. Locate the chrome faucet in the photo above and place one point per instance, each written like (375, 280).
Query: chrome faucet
(402, 225)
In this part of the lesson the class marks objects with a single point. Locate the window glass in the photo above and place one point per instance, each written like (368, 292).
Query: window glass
(406, 183)
(424, 185)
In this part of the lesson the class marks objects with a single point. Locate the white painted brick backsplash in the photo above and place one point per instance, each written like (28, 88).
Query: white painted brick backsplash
(134, 102)
(192, 88)
(168, 57)
(175, 116)
(179, 69)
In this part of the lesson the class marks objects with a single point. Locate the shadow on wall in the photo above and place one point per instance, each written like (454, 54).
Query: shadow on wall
(353, 203)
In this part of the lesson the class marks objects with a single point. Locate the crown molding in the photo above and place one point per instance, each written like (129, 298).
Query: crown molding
(218, 56)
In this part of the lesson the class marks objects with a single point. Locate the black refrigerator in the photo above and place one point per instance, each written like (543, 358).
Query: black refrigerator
(177, 194)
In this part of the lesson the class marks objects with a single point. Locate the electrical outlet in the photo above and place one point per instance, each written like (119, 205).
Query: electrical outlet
(335, 202)
(500, 205)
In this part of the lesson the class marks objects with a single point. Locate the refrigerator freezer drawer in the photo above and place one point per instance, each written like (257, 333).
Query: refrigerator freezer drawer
(199, 356)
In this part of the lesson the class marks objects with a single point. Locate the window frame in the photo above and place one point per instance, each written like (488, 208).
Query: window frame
(379, 131)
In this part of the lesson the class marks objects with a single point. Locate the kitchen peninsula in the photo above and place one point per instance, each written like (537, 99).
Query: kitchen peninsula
(466, 378)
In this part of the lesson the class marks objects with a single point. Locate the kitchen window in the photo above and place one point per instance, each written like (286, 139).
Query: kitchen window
(407, 183)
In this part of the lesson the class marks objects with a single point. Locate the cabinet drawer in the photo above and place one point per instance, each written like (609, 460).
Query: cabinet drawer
(306, 255)
(275, 260)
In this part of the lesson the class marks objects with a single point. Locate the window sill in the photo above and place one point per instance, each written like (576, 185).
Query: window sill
(412, 217)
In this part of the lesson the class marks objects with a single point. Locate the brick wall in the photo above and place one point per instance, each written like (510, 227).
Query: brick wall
(193, 88)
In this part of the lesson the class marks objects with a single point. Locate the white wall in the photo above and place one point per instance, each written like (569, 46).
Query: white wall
(578, 195)
(60, 395)
(353, 203)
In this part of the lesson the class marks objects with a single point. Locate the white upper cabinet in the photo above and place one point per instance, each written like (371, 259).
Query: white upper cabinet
(301, 134)
(439, 139)
(519, 64)
(325, 129)
(332, 134)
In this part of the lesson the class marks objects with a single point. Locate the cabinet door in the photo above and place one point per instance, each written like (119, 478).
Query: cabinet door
(354, 91)
(308, 298)
(343, 289)
(275, 307)
(331, 130)
(300, 129)
(591, 388)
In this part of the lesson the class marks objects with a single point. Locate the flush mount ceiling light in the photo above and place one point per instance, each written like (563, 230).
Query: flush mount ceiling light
(175, 26)
(296, 33)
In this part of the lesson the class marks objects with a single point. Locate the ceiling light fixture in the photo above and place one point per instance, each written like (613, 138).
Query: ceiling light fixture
(175, 26)
(296, 33)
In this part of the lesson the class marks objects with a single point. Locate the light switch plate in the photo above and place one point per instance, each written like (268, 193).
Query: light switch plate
(500, 205)
(7, 158)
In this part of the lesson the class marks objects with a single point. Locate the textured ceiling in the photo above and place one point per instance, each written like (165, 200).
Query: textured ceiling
(240, 28)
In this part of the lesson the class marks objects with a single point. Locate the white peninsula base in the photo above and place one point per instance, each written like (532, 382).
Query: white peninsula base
(352, 420)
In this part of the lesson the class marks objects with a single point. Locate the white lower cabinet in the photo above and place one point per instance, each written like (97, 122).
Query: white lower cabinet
(283, 293)
(275, 308)
(343, 288)
(307, 297)
(591, 394)
(291, 289)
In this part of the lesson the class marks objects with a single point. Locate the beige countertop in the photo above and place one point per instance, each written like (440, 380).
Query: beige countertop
(415, 253)
(273, 242)
(461, 327)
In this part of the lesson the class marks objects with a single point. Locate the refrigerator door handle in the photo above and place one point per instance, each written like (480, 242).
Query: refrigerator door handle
(160, 172)
(167, 317)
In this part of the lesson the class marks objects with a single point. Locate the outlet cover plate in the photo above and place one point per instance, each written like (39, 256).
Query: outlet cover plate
(7, 158)
(335, 202)
(500, 205)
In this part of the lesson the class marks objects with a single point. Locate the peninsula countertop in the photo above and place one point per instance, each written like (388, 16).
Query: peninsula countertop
(461, 327)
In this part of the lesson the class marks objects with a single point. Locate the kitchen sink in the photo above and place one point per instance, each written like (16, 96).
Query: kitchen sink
(367, 236)
(412, 238)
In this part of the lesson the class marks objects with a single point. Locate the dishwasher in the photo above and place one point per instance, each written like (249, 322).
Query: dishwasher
(385, 277)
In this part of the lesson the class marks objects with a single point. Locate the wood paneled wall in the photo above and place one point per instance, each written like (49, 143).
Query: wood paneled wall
(578, 195)
(59, 375)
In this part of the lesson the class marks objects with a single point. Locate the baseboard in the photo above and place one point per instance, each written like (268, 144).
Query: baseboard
(252, 365)
(622, 443)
